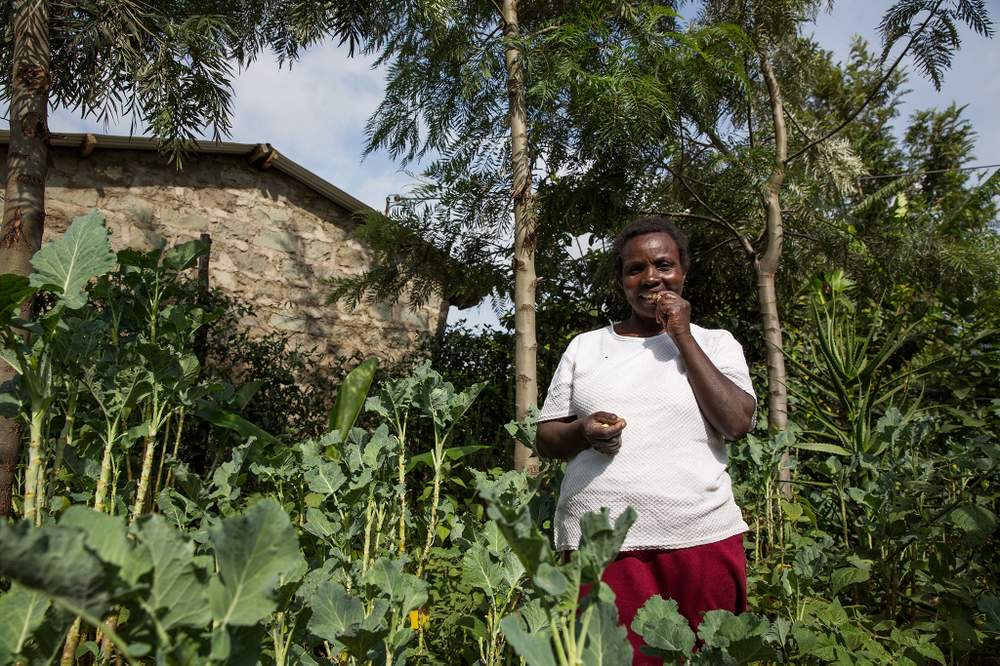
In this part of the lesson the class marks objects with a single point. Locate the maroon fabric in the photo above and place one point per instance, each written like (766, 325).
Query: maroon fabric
(699, 579)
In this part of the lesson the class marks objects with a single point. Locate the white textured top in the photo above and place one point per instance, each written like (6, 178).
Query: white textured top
(672, 463)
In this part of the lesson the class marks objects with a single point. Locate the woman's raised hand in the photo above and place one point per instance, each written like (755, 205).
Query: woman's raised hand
(603, 431)
(673, 313)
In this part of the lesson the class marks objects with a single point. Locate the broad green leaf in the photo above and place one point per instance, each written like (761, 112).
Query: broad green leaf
(664, 630)
(534, 647)
(324, 477)
(14, 290)
(607, 641)
(106, 536)
(600, 541)
(56, 561)
(479, 570)
(234, 422)
(253, 550)
(65, 265)
(845, 576)
(551, 580)
(177, 596)
(334, 612)
(185, 255)
(22, 611)
(406, 591)
(990, 606)
(742, 636)
(975, 520)
(351, 396)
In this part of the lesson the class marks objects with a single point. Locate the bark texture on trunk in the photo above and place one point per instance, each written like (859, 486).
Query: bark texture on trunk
(525, 280)
(24, 205)
(766, 267)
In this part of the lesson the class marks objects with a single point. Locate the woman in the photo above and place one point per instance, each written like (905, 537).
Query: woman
(640, 409)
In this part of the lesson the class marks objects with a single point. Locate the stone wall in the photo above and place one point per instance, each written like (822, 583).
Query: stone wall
(274, 240)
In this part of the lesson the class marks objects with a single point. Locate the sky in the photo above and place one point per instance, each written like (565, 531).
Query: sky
(315, 112)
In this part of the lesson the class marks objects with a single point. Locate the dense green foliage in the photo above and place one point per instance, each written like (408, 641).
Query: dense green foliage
(384, 543)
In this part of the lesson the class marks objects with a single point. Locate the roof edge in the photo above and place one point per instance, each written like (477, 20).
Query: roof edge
(275, 160)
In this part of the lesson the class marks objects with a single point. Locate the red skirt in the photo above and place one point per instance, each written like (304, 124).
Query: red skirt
(700, 578)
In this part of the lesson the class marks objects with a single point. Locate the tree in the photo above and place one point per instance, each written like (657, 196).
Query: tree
(457, 88)
(167, 64)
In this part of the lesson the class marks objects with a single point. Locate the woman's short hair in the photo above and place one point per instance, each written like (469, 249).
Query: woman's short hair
(651, 225)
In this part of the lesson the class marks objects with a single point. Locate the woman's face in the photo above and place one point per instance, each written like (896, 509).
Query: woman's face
(651, 263)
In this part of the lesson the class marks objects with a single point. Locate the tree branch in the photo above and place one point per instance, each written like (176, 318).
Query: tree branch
(875, 91)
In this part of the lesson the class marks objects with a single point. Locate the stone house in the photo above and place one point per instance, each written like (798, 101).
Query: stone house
(278, 231)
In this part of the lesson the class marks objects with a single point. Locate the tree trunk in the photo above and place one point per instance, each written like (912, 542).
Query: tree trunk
(24, 206)
(766, 267)
(525, 280)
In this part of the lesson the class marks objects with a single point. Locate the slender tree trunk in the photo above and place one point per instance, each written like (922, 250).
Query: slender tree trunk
(525, 280)
(766, 268)
(24, 205)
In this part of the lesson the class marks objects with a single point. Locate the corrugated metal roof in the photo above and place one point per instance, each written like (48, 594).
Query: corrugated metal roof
(262, 155)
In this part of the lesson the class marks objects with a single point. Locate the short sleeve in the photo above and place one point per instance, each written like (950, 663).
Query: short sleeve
(559, 397)
(727, 355)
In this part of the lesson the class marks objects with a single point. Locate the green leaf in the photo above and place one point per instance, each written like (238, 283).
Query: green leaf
(177, 596)
(600, 541)
(845, 576)
(534, 647)
(22, 611)
(551, 580)
(743, 637)
(823, 448)
(452, 453)
(65, 265)
(253, 550)
(607, 641)
(334, 612)
(234, 422)
(480, 571)
(976, 521)
(13, 291)
(405, 591)
(664, 630)
(185, 255)
(106, 535)
(351, 397)
(56, 561)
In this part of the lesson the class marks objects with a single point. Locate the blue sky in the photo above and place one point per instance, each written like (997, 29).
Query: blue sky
(315, 111)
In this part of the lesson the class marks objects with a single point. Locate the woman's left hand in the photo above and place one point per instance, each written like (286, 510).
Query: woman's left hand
(673, 313)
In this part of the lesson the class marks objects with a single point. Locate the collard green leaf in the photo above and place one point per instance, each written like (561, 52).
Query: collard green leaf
(253, 550)
(534, 648)
(106, 536)
(65, 265)
(56, 561)
(22, 611)
(405, 591)
(176, 595)
(551, 580)
(743, 637)
(607, 641)
(665, 631)
(600, 542)
(480, 571)
(334, 612)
